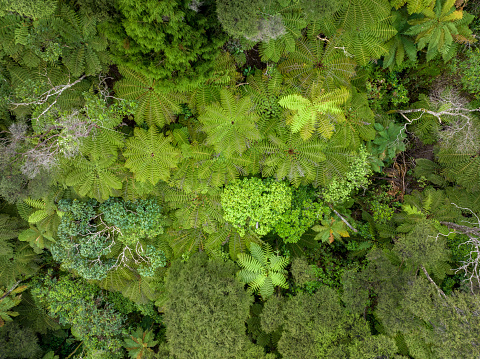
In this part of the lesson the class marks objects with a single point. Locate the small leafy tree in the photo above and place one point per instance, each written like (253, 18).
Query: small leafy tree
(18, 342)
(78, 303)
(168, 40)
(317, 326)
(206, 311)
(263, 270)
(88, 234)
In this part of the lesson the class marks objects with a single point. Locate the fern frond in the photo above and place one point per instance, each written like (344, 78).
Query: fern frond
(335, 165)
(154, 106)
(101, 142)
(9, 227)
(313, 64)
(150, 155)
(461, 167)
(413, 6)
(289, 156)
(95, 179)
(230, 124)
(22, 261)
(32, 315)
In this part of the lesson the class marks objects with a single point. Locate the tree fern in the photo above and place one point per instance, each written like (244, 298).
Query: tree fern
(293, 21)
(413, 6)
(130, 284)
(97, 179)
(43, 219)
(464, 198)
(265, 89)
(195, 210)
(319, 113)
(225, 73)
(287, 156)
(220, 170)
(102, 141)
(155, 107)
(141, 290)
(150, 156)
(361, 32)
(10, 23)
(400, 45)
(30, 84)
(86, 48)
(230, 124)
(263, 270)
(132, 189)
(188, 241)
(430, 203)
(73, 97)
(315, 64)
(430, 170)
(441, 27)
(200, 168)
(359, 124)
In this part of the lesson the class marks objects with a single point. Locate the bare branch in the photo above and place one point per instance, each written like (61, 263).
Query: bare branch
(440, 291)
(344, 220)
(10, 290)
(55, 91)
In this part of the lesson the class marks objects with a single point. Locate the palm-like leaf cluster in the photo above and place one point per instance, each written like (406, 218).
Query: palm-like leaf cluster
(155, 107)
(150, 155)
(230, 124)
(442, 27)
(263, 270)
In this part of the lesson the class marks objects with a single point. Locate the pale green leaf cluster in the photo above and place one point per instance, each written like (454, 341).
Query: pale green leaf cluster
(255, 205)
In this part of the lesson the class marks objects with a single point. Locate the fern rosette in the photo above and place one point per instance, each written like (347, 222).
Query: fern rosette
(230, 124)
(263, 270)
(150, 155)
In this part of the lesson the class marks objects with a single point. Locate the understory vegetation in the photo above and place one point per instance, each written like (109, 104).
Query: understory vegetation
(237, 179)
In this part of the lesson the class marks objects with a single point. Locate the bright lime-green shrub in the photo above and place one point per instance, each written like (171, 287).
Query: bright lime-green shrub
(305, 211)
(339, 190)
(255, 204)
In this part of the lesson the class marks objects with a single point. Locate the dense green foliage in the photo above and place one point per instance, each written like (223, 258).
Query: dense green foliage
(239, 179)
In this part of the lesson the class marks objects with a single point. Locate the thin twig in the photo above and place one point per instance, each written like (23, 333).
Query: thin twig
(344, 221)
